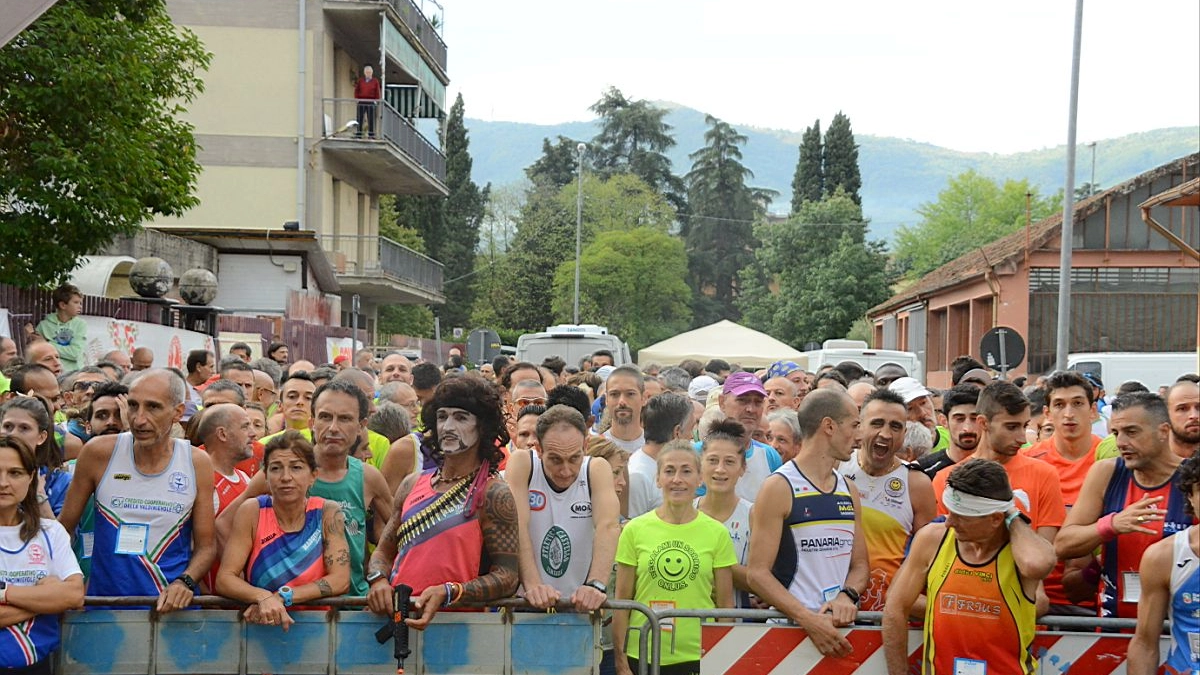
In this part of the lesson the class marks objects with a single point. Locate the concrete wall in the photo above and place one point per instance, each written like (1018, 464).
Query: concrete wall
(181, 254)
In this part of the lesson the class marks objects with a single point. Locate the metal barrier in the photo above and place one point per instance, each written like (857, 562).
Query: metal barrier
(213, 639)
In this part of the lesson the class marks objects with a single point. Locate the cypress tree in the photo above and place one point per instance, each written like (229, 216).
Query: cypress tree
(841, 159)
(808, 185)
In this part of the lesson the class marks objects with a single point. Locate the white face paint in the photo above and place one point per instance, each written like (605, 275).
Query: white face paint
(458, 430)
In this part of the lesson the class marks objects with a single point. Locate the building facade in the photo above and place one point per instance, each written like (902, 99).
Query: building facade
(1134, 286)
(294, 165)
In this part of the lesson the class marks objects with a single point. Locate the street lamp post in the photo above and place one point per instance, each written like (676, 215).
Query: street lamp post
(580, 149)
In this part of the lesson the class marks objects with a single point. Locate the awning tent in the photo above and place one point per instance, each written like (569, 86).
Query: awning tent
(722, 340)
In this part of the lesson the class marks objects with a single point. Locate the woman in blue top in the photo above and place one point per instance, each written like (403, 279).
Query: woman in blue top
(39, 576)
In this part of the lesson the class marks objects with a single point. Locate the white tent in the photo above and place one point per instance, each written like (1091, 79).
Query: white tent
(721, 340)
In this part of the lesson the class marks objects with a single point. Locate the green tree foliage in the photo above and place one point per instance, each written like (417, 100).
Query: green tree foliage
(621, 202)
(972, 211)
(91, 144)
(841, 159)
(720, 232)
(450, 226)
(558, 165)
(808, 184)
(632, 280)
(633, 139)
(814, 274)
(411, 320)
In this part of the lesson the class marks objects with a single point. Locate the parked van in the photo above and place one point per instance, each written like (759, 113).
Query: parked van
(1153, 369)
(833, 352)
(572, 343)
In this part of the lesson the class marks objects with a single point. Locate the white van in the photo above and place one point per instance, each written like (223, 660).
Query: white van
(833, 352)
(1153, 369)
(571, 342)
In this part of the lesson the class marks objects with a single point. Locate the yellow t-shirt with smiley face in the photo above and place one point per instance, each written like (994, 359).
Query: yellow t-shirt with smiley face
(675, 569)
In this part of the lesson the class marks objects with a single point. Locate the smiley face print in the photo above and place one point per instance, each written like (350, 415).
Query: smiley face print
(674, 564)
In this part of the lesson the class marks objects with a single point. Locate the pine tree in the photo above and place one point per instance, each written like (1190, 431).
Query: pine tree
(809, 181)
(841, 159)
(720, 236)
(558, 164)
(633, 139)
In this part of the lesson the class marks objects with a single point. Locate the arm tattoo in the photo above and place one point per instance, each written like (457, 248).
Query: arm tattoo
(324, 587)
(499, 524)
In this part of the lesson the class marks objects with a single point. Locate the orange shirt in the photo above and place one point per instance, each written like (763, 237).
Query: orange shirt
(1033, 477)
(1071, 472)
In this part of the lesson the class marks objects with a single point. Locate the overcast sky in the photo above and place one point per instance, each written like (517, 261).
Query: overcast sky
(960, 74)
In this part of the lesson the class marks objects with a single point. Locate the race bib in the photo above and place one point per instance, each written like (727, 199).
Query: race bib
(132, 539)
(1132, 591)
(970, 667)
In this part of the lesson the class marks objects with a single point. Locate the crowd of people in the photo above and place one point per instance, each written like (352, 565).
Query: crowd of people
(280, 483)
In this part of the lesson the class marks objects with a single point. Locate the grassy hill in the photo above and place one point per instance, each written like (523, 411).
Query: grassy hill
(898, 174)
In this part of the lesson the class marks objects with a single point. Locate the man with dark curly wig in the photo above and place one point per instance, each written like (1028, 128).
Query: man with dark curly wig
(452, 521)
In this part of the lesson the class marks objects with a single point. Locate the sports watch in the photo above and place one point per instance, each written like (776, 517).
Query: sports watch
(285, 594)
(850, 593)
(598, 585)
(375, 576)
(189, 582)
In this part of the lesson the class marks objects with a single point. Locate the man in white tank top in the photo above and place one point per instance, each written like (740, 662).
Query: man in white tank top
(152, 492)
(567, 513)
(810, 516)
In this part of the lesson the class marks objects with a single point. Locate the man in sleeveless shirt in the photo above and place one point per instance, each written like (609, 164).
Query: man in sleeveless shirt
(1127, 503)
(980, 572)
(897, 500)
(154, 501)
(452, 536)
(1170, 575)
(808, 558)
(567, 512)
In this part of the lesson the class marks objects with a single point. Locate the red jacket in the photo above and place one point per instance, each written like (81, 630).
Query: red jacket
(364, 88)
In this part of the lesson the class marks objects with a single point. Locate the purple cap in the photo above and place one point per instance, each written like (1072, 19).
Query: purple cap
(742, 382)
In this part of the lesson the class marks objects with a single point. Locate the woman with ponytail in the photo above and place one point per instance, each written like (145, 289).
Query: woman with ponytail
(452, 536)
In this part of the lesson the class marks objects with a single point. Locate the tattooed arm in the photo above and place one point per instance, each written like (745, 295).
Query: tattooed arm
(379, 597)
(336, 556)
(499, 523)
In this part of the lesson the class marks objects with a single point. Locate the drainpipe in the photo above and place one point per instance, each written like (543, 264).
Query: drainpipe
(994, 287)
(301, 104)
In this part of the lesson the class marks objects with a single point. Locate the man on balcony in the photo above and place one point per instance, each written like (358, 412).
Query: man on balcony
(368, 91)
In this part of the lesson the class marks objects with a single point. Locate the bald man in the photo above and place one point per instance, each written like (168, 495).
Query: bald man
(44, 354)
(142, 359)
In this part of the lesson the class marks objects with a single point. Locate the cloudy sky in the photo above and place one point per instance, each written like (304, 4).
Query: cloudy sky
(965, 75)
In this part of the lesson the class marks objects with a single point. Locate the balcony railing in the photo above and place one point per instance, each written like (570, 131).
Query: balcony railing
(376, 121)
(421, 28)
(366, 256)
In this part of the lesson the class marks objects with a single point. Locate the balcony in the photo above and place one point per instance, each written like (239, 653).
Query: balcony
(382, 271)
(412, 23)
(377, 142)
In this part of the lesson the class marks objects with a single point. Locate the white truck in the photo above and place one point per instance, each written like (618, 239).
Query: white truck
(1153, 369)
(833, 352)
(572, 342)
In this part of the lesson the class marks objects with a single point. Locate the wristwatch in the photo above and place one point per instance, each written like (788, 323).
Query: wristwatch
(3, 593)
(189, 582)
(375, 576)
(285, 594)
(850, 593)
(598, 585)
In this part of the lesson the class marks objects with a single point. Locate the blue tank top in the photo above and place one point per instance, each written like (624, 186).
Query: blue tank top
(143, 538)
(1184, 608)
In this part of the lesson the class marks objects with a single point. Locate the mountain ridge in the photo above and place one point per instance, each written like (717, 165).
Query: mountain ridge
(898, 174)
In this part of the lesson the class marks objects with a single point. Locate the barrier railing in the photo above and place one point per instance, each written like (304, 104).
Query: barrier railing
(215, 640)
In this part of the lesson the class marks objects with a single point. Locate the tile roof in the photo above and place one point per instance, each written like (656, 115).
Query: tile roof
(1011, 247)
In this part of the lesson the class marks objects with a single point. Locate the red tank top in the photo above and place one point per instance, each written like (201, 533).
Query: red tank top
(438, 542)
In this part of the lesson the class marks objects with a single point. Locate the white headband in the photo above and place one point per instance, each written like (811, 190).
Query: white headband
(967, 504)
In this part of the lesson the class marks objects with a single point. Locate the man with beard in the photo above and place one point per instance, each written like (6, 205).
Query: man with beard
(1127, 503)
(623, 392)
(1002, 413)
(958, 405)
(339, 417)
(103, 415)
(1183, 407)
(897, 500)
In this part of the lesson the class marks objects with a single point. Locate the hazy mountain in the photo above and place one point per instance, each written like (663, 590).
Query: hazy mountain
(898, 174)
